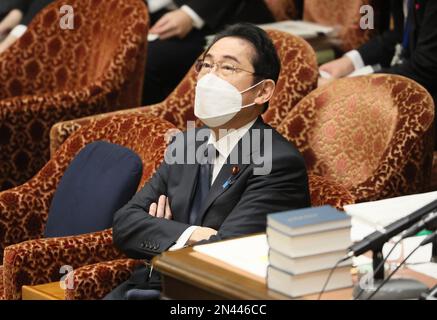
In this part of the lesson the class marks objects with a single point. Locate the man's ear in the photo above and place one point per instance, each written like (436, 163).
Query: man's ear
(266, 92)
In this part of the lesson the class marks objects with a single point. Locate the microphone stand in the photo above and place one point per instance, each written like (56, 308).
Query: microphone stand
(393, 289)
(429, 239)
(434, 251)
(377, 258)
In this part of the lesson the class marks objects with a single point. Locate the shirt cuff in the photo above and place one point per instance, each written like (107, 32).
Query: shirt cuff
(356, 58)
(180, 243)
(18, 31)
(198, 22)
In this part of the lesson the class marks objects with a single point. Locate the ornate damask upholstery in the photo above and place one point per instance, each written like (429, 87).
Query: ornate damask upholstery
(38, 261)
(53, 74)
(24, 209)
(345, 16)
(327, 192)
(298, 77)
(372, 134)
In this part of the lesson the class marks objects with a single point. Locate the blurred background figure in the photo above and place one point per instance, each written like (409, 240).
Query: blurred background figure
(408, 49)
(180, 28)
(15, 15)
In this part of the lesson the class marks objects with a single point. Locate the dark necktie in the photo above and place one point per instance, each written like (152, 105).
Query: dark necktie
(203, 182)
(408, 25)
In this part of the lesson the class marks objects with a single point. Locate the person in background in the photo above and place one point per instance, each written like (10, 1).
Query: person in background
(220, 195)
(17, 14)
(11, 13)
(410, 49)
(180, 28)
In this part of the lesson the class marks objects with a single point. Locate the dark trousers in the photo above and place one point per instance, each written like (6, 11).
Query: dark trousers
(168, 61)
(141, 279)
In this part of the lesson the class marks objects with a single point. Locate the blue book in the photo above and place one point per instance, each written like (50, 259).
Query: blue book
(308, 232)
(308, 220)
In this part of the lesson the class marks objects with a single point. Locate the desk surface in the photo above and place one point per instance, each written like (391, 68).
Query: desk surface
(187, 274)
(47, 291)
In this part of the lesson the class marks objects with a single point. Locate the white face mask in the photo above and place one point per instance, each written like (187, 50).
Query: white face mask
(217, 101)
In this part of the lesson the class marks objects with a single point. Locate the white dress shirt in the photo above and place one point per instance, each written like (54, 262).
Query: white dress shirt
(224, 146)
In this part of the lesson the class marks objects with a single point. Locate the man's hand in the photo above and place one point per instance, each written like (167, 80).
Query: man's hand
(162, 209)
(339, 68)
(173, 24)
(12, 19)
(201, 233)
(323, 81)
(6, 43)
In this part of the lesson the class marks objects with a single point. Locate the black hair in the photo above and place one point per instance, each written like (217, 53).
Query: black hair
(265, 61)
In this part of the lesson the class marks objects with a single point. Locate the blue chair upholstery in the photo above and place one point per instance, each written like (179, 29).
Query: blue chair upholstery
(99, 181)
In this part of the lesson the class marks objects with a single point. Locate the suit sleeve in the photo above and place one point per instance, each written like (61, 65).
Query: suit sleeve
(33, 9)
(422, 65)
(8, 5)
(285, 188)
(212, 12)
(381, 49)
(135, 232)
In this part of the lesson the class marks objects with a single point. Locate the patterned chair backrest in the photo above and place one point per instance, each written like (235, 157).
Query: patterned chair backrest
(144, 135)
(372, 134)
(100, 51)
(298, 77)
(342, 14)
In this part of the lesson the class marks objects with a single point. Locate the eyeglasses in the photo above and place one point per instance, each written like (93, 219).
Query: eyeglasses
(223, 68)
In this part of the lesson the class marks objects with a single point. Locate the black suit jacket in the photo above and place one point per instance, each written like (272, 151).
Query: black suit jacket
(30, 8)
(420, 59)
(8, 5)
(217, 14)
(236, 210)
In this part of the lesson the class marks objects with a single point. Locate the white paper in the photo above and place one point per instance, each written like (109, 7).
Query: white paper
(249, 254)
(429, 269)
(383, 212)
(302, 29)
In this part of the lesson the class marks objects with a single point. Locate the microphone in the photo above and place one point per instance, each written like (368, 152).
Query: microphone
(430, 238)
(424, 223)
(377, 239)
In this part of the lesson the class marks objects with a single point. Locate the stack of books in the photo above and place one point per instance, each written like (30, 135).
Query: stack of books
(304, 245)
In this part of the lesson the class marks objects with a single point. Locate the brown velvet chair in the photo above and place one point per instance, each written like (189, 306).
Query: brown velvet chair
(298, 77)
(24, 209)
(345, 17)
(53, 74)
(372, 134)
(38, 261)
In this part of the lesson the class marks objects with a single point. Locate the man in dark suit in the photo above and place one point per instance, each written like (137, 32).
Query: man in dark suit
(410, 49)
(182, 26)
(254, 171)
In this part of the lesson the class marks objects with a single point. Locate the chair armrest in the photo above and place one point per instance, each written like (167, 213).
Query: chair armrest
(97, 280)
(24, 209)
(26, 123)
(39, 261)
(327, 192)
(60, 131)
